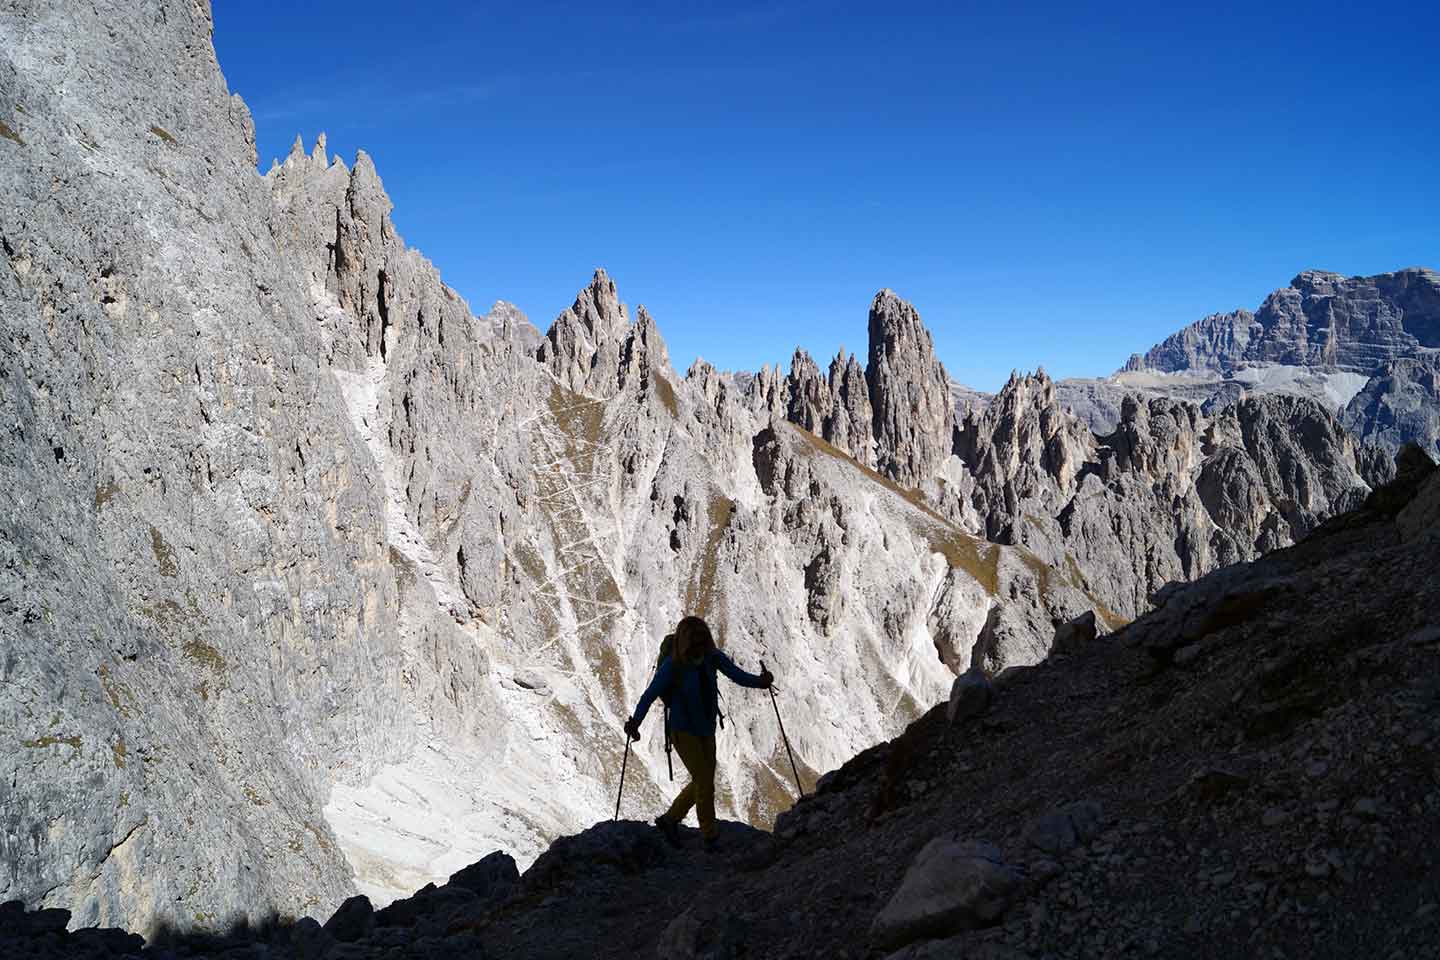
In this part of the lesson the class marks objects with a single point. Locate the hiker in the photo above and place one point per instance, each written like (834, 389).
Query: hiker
(685, 680)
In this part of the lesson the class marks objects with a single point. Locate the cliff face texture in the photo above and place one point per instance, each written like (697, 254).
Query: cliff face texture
(313, 581)
(1359, 345)
(1400, 403)
(1171, 494)
(198, 609)
(310, 579)
(910, 394)
(1321, 319)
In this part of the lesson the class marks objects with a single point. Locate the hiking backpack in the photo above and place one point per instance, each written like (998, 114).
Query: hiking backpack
(667, 647)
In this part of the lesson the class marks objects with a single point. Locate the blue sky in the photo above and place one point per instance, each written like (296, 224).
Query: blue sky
(1047, 184)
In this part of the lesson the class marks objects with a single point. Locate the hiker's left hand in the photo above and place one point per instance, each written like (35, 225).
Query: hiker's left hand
(632, 729)
(766, 677)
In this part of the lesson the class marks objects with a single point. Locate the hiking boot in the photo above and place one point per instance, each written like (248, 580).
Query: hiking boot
(670, 830)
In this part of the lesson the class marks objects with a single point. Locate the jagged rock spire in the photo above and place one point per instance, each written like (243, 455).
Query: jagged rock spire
(851, 424)
(834, 405)
(582, 347)
(593, 347)
(909, 393)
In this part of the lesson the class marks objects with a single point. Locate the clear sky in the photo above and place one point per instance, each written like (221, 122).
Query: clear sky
(1057, 184)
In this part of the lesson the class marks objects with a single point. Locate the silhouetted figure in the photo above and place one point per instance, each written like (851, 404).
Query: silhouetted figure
(686, 679)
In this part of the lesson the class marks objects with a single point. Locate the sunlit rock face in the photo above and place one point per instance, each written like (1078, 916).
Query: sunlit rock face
(1320, 319)
(1170, 494)
(199, 611)
(1359, 346)
(312, 580)
(909, 393)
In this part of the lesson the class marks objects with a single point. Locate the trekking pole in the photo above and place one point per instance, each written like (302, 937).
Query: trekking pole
(669, 763)
(793, 769)
(623, 764)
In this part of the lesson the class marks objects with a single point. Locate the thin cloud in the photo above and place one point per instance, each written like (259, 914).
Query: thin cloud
(273, 109)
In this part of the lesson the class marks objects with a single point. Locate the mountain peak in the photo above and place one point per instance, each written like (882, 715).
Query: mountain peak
(909, 392)
(1321, 320)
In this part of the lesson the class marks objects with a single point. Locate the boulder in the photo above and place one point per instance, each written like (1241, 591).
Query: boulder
(1076, 633)
(691, 936)
(488, 875)
(952, 885)
(970, 695)
(353, 921)
(309, 940)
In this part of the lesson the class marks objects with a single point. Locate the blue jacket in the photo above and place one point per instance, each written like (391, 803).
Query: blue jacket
(696, 696)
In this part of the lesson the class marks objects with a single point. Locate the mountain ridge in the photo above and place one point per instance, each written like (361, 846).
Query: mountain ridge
(1365, 346)
(311, 580)
(1278, 799)
(388, 587)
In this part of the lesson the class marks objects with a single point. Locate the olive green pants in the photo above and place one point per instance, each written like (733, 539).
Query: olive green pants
(698, 755)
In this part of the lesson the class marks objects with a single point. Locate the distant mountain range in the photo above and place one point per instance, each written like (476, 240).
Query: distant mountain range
(1366, 347)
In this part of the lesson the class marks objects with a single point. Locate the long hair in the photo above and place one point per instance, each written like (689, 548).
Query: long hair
(693, 639)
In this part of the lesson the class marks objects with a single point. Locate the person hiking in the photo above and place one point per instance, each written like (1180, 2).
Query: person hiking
(686, 679)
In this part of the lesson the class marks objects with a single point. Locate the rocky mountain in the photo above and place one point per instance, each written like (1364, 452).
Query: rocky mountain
(1175, 490)
(1170, 494)
(1398, 404)
(909, 391)
(1247, 770)
(1334, 339)
(1321, 319)
(312, 580)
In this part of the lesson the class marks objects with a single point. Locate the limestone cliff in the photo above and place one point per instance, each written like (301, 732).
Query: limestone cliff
(312, 580)
(1171, 494)
(1320, 319)
(1354, 344)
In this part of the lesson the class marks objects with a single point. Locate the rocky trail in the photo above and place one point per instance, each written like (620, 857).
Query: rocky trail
(1251, 770)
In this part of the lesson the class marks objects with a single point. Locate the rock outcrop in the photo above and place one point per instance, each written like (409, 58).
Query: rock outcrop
(1400, 403)
(834, 406)
(509, 321)
(1169, 495)
(584, 344)
(909, 393)
(1172, 491)
(1364, 345)
(1321, 319)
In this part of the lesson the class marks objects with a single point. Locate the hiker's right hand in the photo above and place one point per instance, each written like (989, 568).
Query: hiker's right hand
(766, 677)
(632, 729)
